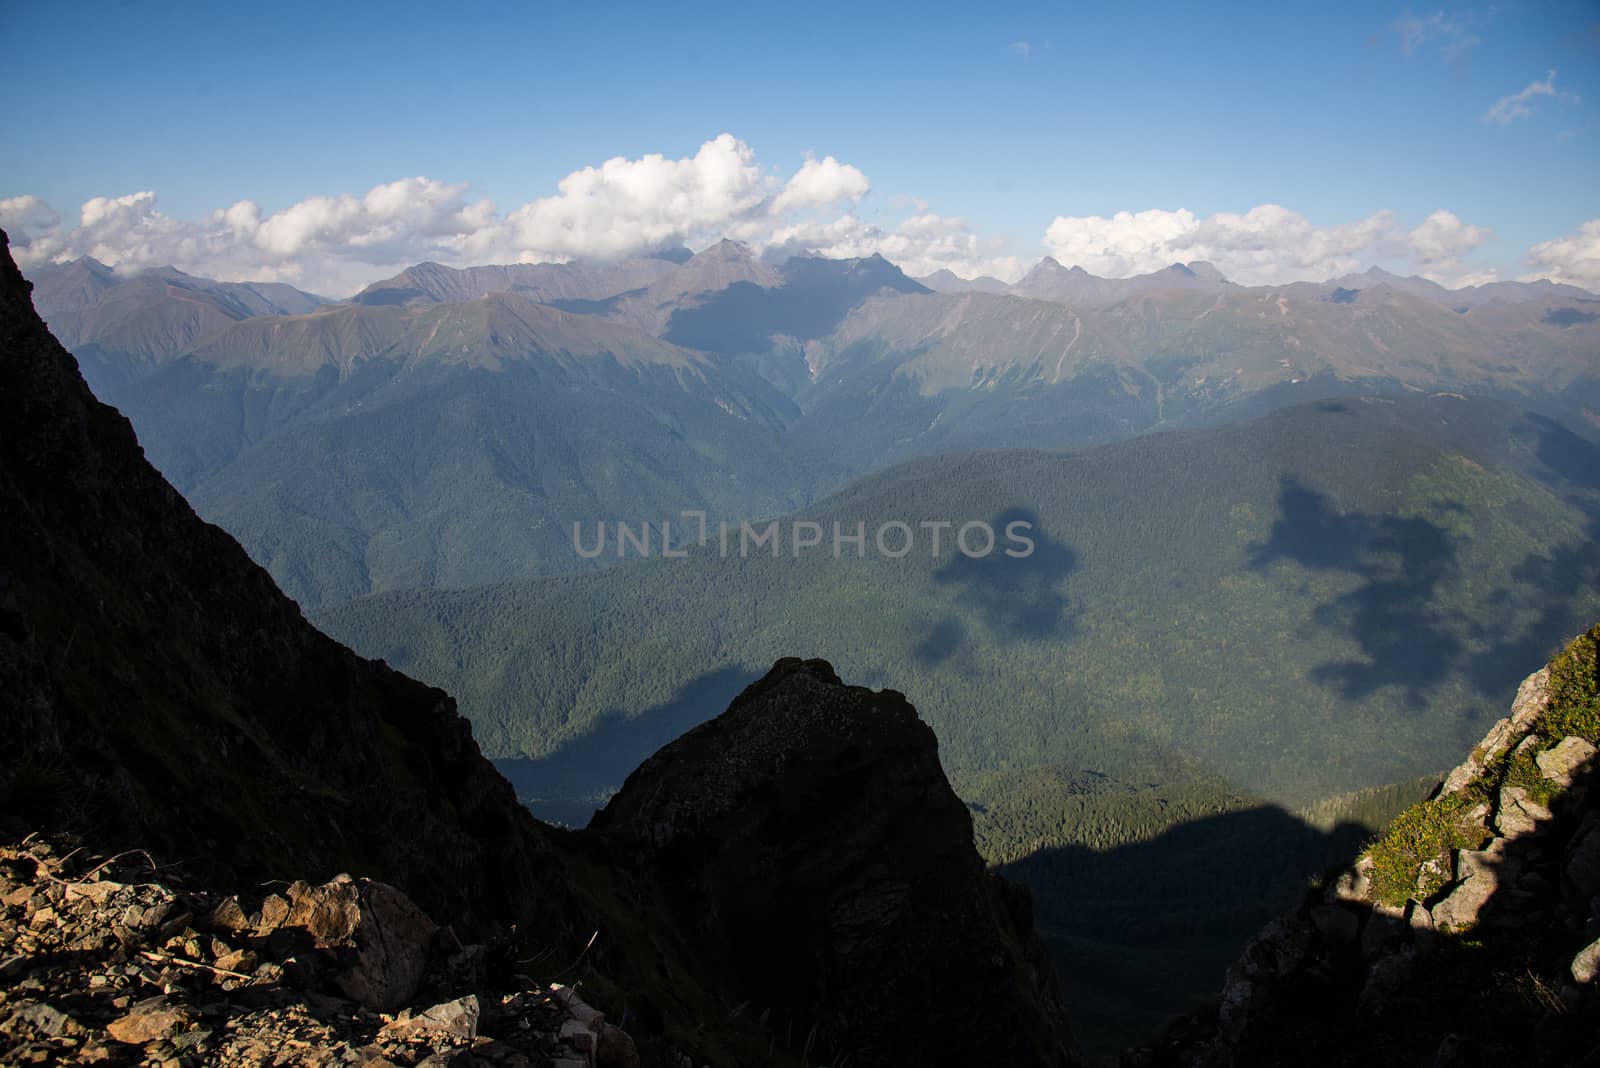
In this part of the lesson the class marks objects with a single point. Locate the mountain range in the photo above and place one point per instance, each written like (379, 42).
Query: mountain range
(445, 427)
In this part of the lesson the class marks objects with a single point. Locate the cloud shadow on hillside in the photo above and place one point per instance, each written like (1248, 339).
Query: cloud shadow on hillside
(1404, 638)
(1016, 598)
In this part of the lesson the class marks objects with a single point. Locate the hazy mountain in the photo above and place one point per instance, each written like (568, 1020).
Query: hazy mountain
(922, 374)
(815, 296)
(1048, 280)
(1465, 297)
(365, 448)
(947, 281)
(543, 282)
(122, 328)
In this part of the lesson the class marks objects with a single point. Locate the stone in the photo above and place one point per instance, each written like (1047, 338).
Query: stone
(457, 1019)
(393, 939)
(274, 910)
(1386, 978)
(1461, 908)
(328, 913)
(1384, 930)
(1353, 885)
(149, 1021)
(45, 1019)
(1533, 697)
(1586, 965)
(1564, 763)
(243, 961)
(1583, 859)
(1520, 814)
(1336, 924)
(1483, 873)
(615, 1049)
(227, 916)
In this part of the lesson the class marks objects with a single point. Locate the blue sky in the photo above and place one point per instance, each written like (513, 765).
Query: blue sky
(1005, 117)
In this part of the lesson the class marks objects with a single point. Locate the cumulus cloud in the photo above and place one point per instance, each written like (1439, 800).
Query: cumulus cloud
(921, 244)
(336, 244)
(1519, 105)
(820, 183)
(1443, 238)
(1574, 259)
(1265, 245)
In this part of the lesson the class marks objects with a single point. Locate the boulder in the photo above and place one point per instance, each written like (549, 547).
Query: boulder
(1583, 857)
(1566, 761)
(1586, 965)
(1520, 814)
(1337, 925)
(150, 1021)
(1484, 873)
(379, 940)
(456, 1019)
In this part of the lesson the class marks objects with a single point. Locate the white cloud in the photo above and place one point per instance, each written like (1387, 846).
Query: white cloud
(1450, 31)
(1443, 238)
(919, 245)
(336, 244)
(1266, 245)
(1519, 105)
(819, 183)
(1021, 48)
(1574, 259)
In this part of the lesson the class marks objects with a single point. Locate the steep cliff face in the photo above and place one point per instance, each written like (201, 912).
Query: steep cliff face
(1466, 935)
(158, 689)
(795, 874)
(816, 855)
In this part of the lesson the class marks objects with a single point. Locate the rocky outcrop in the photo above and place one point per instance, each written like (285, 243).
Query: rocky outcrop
(1467, 934)
(816, 853)
(114, 962)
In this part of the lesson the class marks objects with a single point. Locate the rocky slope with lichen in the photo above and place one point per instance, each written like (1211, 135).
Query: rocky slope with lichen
(1467, 934)
(158, 692)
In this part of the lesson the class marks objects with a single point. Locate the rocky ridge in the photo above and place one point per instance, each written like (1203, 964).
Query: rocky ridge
(1467, 934)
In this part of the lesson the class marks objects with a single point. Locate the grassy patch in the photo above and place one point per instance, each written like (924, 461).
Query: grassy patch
(1423, 833)
(1575, 690)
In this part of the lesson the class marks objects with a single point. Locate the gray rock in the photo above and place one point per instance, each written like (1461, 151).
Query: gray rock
(1336, 924)
(458, 1019)
(45, 1019)
(1583, 861)
(1386, 978)
(1533, 697)
(393, 938)
(1385, 929)
(1586, 965)
(1567, 760)
(1519, 813)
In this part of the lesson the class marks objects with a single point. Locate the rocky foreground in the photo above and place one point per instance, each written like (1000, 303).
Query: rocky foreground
(118, 962)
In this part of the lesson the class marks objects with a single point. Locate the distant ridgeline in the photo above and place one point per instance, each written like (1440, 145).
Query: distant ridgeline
(445, 427)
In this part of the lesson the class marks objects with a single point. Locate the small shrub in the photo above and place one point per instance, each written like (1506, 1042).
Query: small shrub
(1575, 690)
(1422, 833)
